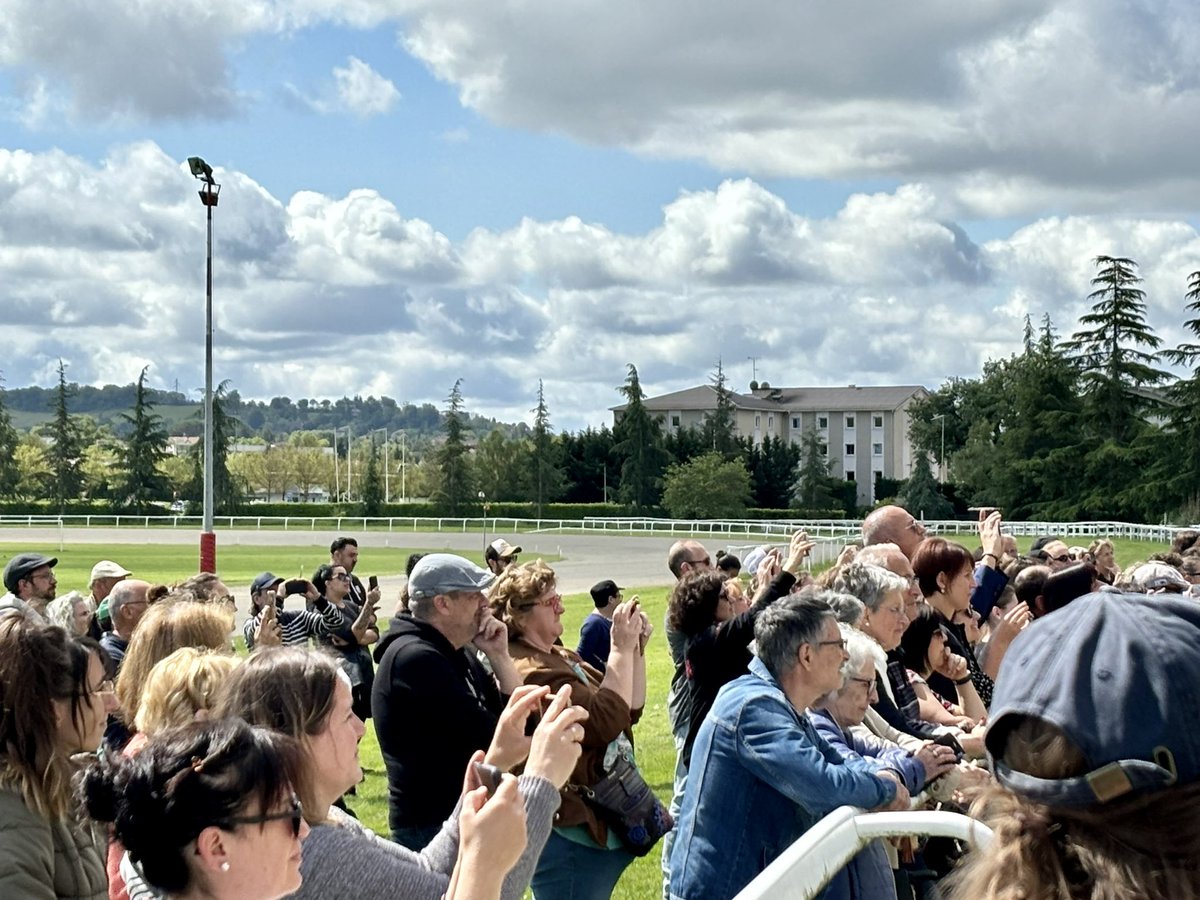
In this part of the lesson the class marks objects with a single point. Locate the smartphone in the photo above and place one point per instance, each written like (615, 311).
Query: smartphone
(295, 586)
(487, 775)
(372, 582)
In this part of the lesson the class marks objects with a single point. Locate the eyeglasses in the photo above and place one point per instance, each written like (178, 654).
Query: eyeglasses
(342, 577)
(706, 561)
(295, 812)
(104, 687)
(1066, 557)
(841, 643)
(548, 601)
(896, 610)
(868, 683)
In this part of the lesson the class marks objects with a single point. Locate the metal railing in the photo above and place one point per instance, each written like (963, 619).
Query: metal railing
(804, 868)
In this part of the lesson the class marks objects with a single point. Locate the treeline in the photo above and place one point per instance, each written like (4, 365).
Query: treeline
(1093, 426)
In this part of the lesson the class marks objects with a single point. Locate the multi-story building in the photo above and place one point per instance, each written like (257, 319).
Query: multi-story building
(864, 429)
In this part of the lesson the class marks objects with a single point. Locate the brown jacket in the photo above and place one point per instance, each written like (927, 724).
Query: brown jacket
(608, 716)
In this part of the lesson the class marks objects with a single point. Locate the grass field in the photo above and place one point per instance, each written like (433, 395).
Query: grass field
(239, 564)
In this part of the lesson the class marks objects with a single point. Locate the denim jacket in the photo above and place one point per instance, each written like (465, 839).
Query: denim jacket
(760, 777)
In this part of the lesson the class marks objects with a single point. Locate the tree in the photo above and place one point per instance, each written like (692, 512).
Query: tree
(9, 475)
(815, 487)
(144, 449)
(227, 491)
(372, 484)
(720, 426)
(501, 467)
(1177, 466)
(34, 473)
(1114, 369)
(65, 452)
(772, 467)
(454, 490)
(100, 470)
(707, 487)
(547, 475)
(639, 446)
(586, 458)
(921, 495)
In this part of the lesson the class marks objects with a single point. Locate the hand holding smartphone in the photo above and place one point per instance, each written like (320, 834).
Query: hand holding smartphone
(488, 776)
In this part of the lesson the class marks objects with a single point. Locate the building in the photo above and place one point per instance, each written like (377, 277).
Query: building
(864, 429)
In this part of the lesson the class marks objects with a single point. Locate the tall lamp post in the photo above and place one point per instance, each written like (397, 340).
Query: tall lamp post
(387, 491)
(208, 196)
(942, 455)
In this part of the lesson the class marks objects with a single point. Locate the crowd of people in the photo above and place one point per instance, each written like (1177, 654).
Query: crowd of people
(1050, 693)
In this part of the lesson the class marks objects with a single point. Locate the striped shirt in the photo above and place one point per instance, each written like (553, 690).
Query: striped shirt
(300, 625)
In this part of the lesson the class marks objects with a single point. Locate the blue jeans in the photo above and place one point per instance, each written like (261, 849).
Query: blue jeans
(415, 838)
(677, 789)
(571, 871)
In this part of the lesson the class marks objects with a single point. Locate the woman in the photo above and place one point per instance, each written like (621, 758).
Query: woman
(53, 705)
(166, 627)
(333, 581)
(582, 860)
(304, 694)
(1103, 554)
(728, 565)
(207, 811)
(179, 690)
(946, 575)
(924, 650)
(73, 613)
(869, 875)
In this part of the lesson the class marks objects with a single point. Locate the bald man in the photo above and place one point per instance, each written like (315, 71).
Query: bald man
(893, 525)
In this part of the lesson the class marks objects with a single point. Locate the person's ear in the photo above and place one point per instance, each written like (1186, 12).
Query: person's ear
(212, 851)
(941, 582)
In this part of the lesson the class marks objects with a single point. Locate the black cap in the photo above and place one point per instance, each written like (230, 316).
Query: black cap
(264, 582)
(22, 564)
(604, 591)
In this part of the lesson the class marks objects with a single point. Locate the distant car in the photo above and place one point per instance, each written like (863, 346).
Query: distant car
(178, 506)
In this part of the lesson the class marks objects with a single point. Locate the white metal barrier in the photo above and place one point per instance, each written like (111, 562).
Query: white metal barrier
(801, 871)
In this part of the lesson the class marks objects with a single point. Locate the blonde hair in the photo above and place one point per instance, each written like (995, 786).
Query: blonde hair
(1146, 845)
(166, 627)
(180, 686)
(513, 594)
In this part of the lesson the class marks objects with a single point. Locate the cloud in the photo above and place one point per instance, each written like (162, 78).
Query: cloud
(103, 265)
(363, 91)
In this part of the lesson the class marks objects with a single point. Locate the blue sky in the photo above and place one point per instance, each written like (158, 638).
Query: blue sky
(505, 191)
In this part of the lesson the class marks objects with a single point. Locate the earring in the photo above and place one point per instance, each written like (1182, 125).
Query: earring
(225, 867)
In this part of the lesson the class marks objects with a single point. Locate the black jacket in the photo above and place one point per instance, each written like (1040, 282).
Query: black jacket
(433, 706)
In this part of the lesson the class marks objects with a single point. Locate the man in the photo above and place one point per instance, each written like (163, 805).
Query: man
(1056, 554)
(761, 776)
(893, 525)
(293, 626)
(344, 552)
(29, 579)
(106, 574)
(1028, 586)
(595, 634)
(433, 705)
(499, 555)
(127, 604)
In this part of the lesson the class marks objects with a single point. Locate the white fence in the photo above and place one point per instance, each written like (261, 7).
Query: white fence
(804, 868)
(747, 531)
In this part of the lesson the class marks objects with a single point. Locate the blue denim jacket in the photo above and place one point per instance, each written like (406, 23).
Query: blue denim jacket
(760, 777)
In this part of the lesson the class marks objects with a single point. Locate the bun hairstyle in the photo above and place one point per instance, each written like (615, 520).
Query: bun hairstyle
(182, 782)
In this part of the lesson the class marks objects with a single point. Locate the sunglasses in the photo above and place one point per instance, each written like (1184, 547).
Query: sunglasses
(295, 812)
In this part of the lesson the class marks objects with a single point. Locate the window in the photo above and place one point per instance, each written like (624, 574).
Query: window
(757, 421)
(770, 422)
(822, 421)
(877, 421)
(824, 449)
(849, 474)
(877, 449)
(795, 423)
(849, 421)
(674, 421)
(849, 449)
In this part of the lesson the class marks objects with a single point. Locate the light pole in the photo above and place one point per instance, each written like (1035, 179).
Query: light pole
(483, 503)
(208, 196)
(403, 467)
(942, 455)
(337, 482)
(387, 494)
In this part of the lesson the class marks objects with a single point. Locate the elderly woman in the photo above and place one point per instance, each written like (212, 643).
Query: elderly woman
(72, 613)
(53, 703)
(869, 875)
(946, 575)
(582, 859)
(305, 695)
(206, 811)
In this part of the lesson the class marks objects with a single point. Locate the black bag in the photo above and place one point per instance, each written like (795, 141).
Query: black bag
(625, 803)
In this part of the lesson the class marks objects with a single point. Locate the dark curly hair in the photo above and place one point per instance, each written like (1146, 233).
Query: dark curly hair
(693, 604)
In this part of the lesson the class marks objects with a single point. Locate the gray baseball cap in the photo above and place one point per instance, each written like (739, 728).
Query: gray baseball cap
(22, 564)
(1120, 675)
(442, 573)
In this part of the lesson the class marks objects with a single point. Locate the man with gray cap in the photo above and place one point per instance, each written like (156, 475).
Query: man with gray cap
(29, 578)
(433, 702)
(106, 575)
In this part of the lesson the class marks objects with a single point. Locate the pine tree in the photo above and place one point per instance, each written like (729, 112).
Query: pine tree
(921, 495)
(454, 490)
(547, 471)
(372, 484)
(9, 439)
(144, 449)
(227, 491)
(720, 426)
(814, 485)
(639, 447)
(65, 452)
(1178, 463)
(1113, 366)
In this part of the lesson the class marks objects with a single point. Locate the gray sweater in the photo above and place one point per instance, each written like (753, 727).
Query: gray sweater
(344, 859)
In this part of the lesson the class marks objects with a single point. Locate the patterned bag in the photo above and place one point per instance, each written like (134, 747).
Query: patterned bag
(625, 803)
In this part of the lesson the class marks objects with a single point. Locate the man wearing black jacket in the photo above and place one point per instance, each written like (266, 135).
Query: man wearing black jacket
(433, 702)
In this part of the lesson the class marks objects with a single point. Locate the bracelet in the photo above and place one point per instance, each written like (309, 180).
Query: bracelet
(963, 680)
(992, 555)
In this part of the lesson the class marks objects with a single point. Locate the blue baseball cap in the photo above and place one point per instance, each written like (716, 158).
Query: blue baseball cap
(264, 582)
(444, 573)
(1120, 675)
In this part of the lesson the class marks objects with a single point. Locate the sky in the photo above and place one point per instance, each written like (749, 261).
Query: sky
(502, 191)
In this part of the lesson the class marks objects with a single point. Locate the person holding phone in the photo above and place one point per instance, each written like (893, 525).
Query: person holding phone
(270, 624)
(334, 584)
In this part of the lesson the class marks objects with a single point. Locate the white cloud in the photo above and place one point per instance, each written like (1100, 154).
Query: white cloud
(363, 91)
(319, 296)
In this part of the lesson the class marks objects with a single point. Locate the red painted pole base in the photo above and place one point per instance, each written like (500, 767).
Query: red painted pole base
(208, 551)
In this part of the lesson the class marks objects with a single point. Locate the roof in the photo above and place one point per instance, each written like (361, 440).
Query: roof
(793, 399)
